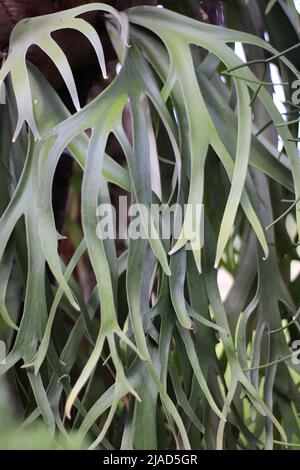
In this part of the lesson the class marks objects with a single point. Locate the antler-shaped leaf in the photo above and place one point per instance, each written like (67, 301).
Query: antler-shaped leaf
(37, 31)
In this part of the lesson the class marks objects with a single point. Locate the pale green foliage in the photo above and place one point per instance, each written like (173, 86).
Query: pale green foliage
(218, 161)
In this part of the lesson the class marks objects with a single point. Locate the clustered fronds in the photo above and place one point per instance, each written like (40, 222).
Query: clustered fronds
(154, 358)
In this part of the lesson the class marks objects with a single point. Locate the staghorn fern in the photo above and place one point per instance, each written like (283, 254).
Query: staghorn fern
(220, 371)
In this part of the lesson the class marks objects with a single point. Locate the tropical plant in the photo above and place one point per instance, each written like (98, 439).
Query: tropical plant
(146, 353)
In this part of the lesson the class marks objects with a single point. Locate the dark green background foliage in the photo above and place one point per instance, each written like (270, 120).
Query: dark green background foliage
(131, 345)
